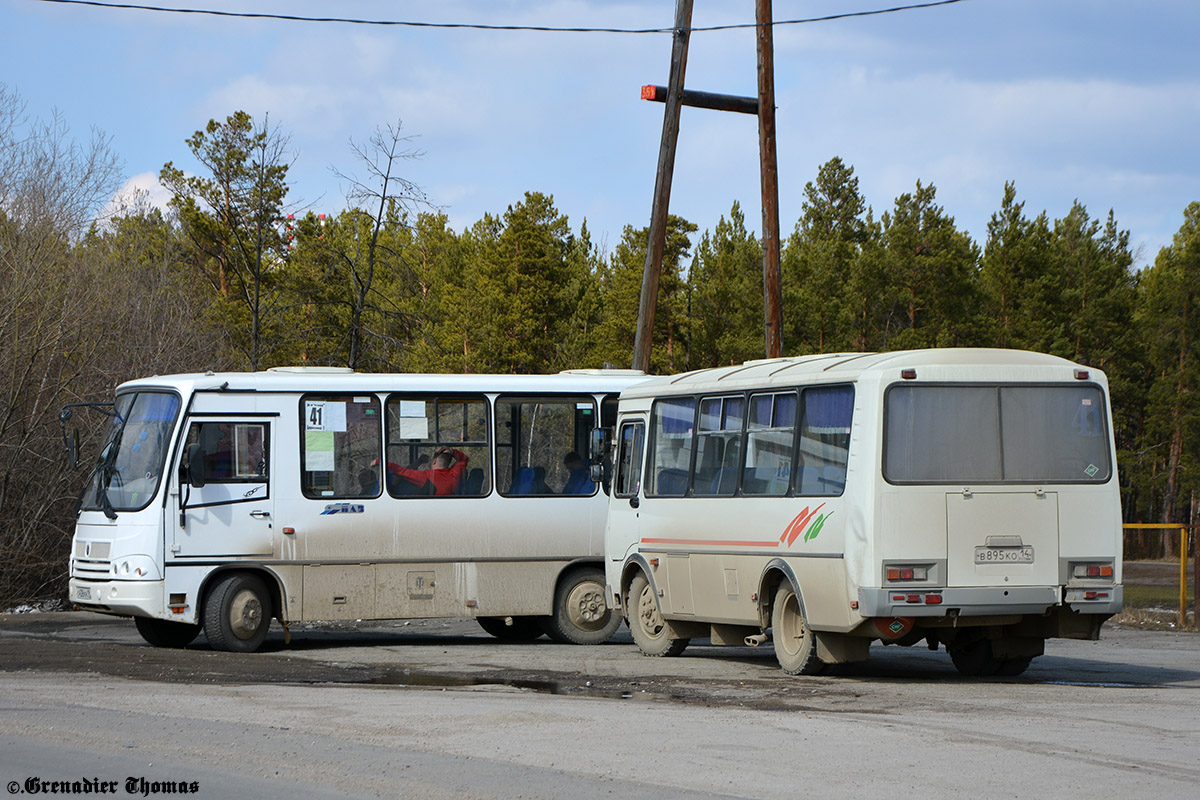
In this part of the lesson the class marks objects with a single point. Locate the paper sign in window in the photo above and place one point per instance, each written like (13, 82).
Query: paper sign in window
(318, 451)
(325, 416)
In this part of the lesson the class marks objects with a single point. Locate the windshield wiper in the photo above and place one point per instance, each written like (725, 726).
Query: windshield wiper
(106, 467)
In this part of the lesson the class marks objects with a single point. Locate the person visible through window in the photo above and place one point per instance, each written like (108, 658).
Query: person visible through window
(445, 473)
(579, 481)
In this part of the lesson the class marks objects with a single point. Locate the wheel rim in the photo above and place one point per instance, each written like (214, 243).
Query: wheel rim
(793, 631)
(245, 614)
(648, 617)
(585, 606)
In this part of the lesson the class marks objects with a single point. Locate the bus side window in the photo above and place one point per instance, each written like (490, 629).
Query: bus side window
(770, 439)
(718, 446)
(629, 459)
(673, 423)
(340, 444)
(542, 445)
(824, 440)
(418, 426)
(233, 452)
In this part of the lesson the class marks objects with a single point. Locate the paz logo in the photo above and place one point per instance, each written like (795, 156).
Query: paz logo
(342, 508)
(808, 522)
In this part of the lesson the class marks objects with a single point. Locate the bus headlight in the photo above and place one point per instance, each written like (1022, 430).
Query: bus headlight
(136, 568)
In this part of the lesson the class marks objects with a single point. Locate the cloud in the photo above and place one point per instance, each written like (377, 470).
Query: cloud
(140, 193)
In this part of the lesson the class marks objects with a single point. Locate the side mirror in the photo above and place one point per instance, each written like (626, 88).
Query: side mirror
(598, 447)
(73, 448)
(195, 466)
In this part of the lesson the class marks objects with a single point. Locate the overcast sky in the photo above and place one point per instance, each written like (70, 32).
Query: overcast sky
(1095, 100)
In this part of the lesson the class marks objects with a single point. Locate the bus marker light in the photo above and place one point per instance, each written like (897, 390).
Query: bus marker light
(933, 599)
(1081, 374)
(654, 563)
(908, 374)
(289, 531)
(907, 573)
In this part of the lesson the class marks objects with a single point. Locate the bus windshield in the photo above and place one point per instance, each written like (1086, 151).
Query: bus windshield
(996, 434)
(126, 476)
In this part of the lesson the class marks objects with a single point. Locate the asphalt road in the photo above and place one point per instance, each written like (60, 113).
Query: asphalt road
(437, 709)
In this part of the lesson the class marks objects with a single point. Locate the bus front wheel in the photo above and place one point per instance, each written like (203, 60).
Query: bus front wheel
(795, 645)
(165, 633)
(237, 613)
(650, 631)
(580, 613)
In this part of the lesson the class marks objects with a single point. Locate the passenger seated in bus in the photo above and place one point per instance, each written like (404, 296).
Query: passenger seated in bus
(445, 474)
(368, 482)
(579, 481)
(529, 480)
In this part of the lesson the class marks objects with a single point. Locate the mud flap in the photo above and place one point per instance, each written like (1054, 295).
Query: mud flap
(838, 648)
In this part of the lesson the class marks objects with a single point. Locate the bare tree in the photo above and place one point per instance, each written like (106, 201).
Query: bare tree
(385, 197)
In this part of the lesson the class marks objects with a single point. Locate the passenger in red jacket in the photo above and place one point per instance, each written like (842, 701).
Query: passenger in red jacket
(446, 472)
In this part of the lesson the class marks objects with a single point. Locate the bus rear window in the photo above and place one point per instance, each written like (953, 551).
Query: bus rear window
(995, 434)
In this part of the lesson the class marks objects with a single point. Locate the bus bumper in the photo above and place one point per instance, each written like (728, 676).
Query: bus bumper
(981, 601)
(132, 598)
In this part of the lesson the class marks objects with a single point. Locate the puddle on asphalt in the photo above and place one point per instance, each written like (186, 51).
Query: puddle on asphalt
(428, 680)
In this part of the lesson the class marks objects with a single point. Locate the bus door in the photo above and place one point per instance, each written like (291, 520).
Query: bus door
(224, 505)
(624, 524)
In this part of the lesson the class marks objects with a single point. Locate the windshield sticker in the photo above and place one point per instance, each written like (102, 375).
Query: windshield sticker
(1091, 470)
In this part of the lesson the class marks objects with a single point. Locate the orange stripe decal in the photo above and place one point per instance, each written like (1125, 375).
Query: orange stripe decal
(721, 542)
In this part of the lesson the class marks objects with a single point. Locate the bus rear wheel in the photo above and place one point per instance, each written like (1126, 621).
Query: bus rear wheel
(237, 613)
(580, 614)
(646, 623)
(165, 633)
(522, 629)
(795, 644)
(976, 659)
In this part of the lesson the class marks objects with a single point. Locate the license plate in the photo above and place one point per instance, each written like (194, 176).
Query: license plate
(1004, 555)
(83, 593)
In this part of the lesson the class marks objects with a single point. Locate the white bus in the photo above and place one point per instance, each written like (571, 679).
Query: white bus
(223, 501)
(961, 497)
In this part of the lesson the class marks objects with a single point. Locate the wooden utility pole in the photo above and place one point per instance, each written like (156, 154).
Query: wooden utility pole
(662, 188)
(769, 169)
(675, 96)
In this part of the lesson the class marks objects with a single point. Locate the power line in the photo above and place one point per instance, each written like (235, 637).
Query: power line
(484, 27)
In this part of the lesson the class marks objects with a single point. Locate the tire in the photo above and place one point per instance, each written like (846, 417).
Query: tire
(164, 633)
(646, 622)
(1012, 667)
(522, 629)
(975, 659)
(580, 614)
(237, 613)
(795, 644)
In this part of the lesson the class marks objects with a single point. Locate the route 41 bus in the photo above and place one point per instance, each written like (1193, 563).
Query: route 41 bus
(223, 501)
(962, 498)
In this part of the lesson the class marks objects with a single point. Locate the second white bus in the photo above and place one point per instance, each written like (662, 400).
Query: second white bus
(964, 498)
(223, 501)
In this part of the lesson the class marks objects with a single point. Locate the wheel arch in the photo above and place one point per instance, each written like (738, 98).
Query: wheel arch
(269, 578)
(773, 575)
(637, 563)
